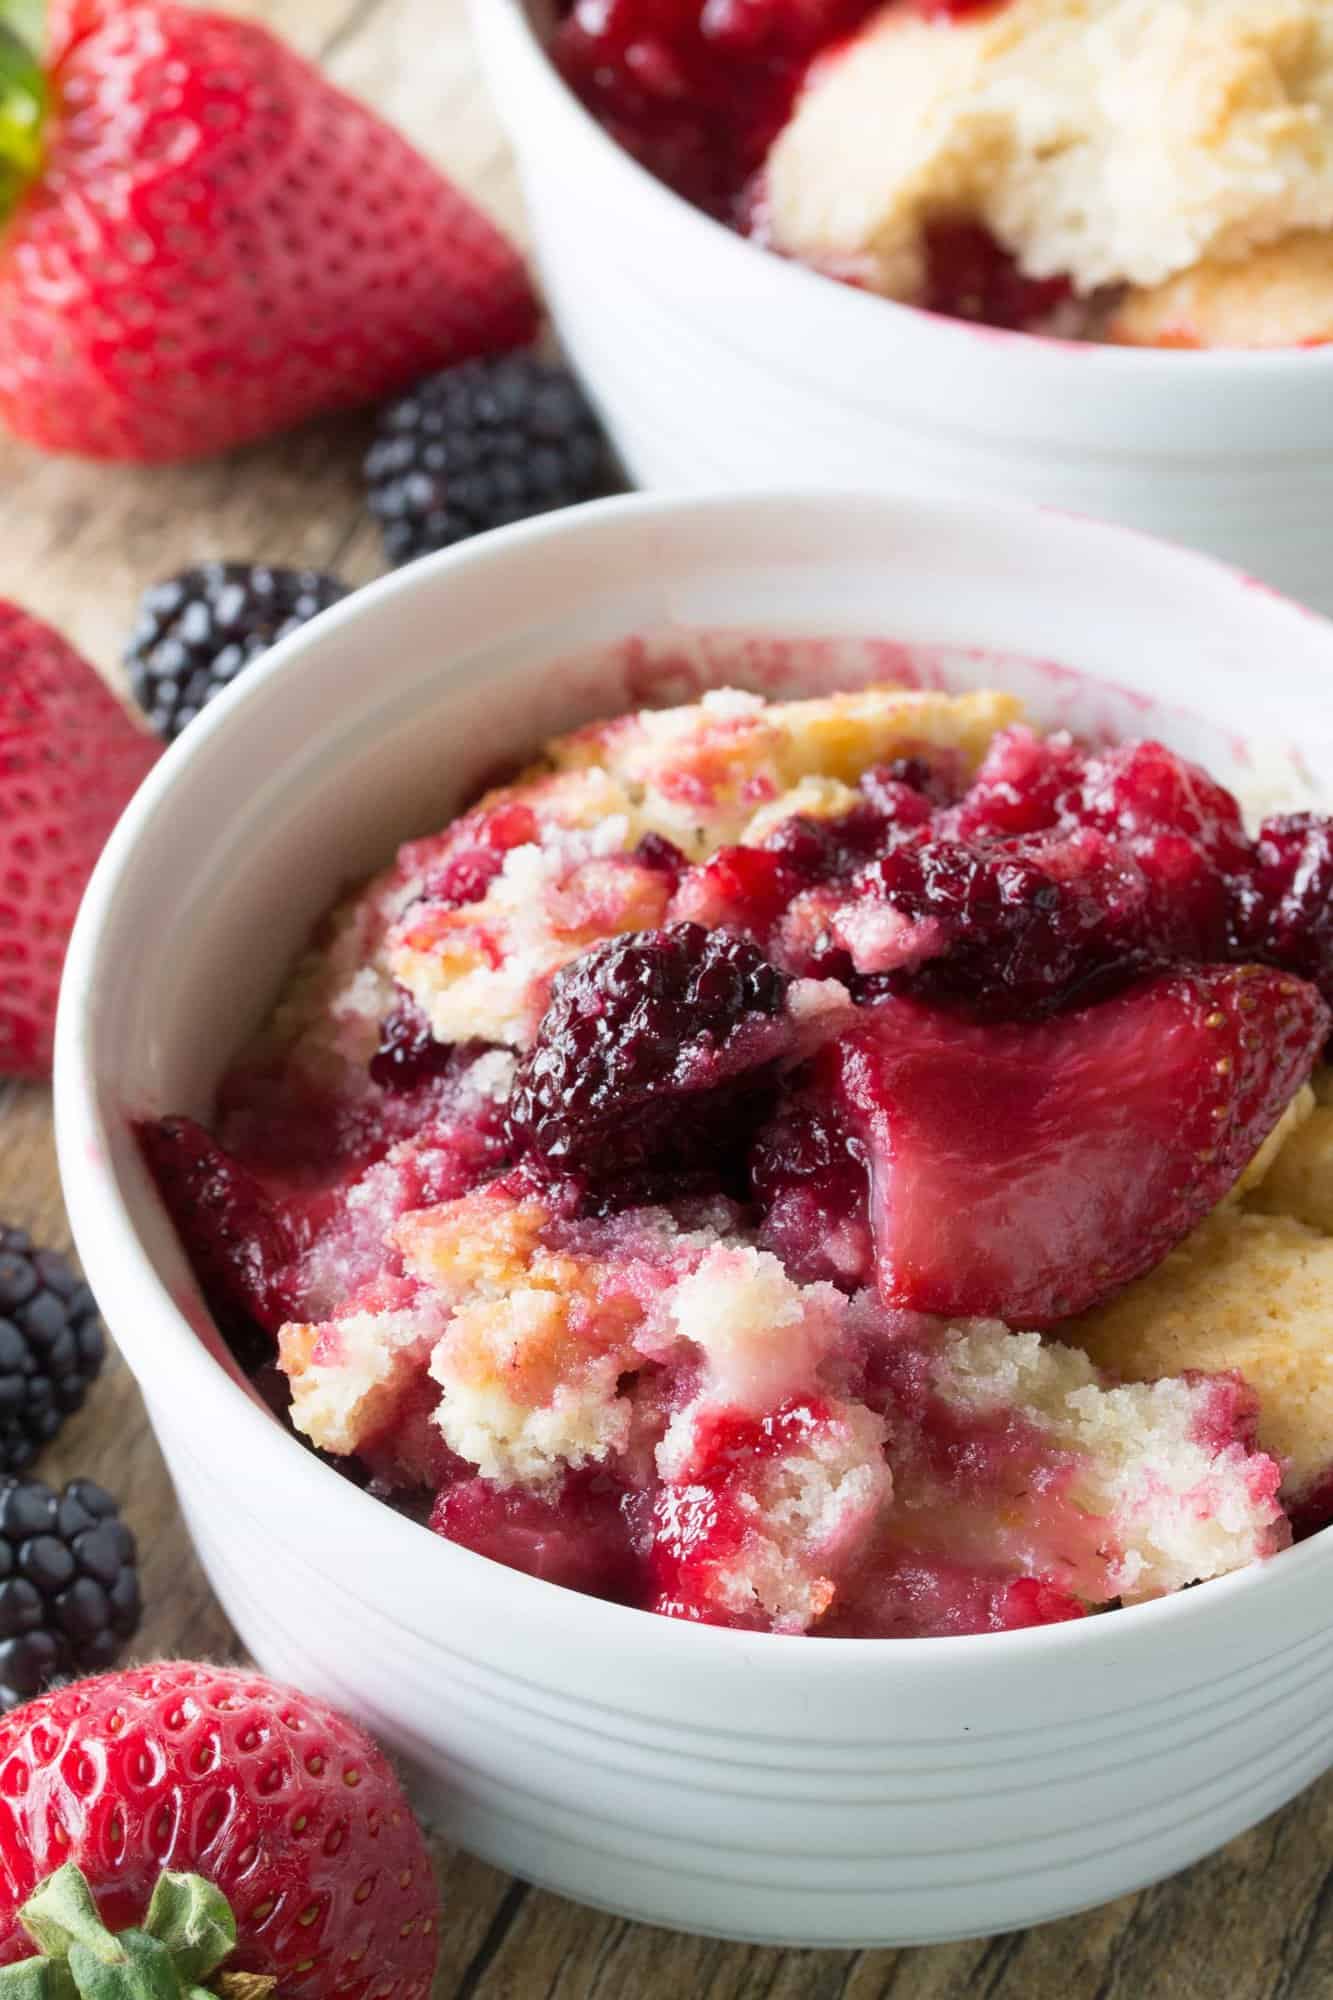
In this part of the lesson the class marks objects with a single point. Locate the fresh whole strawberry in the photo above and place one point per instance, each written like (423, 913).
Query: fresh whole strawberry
(207, 242)
(70, 757)
(1026, 1170)
(219, 1826)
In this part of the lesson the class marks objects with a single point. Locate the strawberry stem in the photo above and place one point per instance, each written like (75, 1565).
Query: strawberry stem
(194, 1921)
(23, 98)
(188, 1931)
(62, 1913)
(32, 1979)
(26, 19)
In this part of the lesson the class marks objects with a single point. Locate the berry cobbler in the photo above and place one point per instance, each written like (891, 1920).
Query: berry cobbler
(850, 1166)
(1148, 172)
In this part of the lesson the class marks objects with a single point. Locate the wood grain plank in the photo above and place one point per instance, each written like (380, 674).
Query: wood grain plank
(78, 543)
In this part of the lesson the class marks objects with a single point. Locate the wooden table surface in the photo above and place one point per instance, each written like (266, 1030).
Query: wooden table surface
(77, 544)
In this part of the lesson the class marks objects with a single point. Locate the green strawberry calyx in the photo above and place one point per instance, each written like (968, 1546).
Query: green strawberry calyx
(177, 1955)
(23, 98)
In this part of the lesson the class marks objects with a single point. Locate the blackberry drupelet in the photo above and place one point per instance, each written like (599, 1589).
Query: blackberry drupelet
(196, 630)
(408, 1053)
(1282, 902)
(69, 1585)
(52, 1347)
(480, 445)
(650, 1055)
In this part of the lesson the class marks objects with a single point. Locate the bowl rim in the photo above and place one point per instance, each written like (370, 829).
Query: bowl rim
(128, 1285)
(1124, 365)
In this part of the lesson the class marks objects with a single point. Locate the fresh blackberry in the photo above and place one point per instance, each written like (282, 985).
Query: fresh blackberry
(69, 1585)
(479, 445)
(51, 1347)
(195, 631)
(651, 1056)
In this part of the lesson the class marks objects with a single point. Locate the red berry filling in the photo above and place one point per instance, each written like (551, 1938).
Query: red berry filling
(475, 853)
(290, 1206)
(705, 1525)
(1056, 876)
(970, 276)
(812, 1192)
(748, 890)
(239, 1242)
(697, 89)
(577, 1536)
(915, 1596)
(1018, 930)
(1283, 907)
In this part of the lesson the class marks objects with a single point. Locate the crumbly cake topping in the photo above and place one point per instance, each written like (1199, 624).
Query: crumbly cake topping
(700, 775)
(350, 1375)
(1298, 1181)
(1249, 1292)
(1115, 143)
(1169, 1507)
(1280, 295)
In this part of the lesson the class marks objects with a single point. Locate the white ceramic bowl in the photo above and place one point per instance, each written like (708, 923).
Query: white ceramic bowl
(719, 365)
(851, 1792)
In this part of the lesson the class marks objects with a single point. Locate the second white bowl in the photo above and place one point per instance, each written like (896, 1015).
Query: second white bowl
(719, 365)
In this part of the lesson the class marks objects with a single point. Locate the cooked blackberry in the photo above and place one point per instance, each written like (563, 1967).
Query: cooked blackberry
(195, 631)
(480, 445)
(52, 1346)
(1282, 901)
(654, 1053)
(69, 1585)
(237, 1239)
(408, 1053)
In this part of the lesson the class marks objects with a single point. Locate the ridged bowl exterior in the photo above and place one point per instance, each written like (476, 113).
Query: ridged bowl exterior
(941, 1799)
(849, 1792)
(717, 365)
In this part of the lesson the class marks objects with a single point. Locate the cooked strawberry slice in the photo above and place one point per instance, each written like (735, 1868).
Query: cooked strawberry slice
(1024, 1171)
(70, 757)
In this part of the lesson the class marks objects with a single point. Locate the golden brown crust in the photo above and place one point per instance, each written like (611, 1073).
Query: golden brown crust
(1300, 1181)
(1245, 1291)
(1279, 296)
